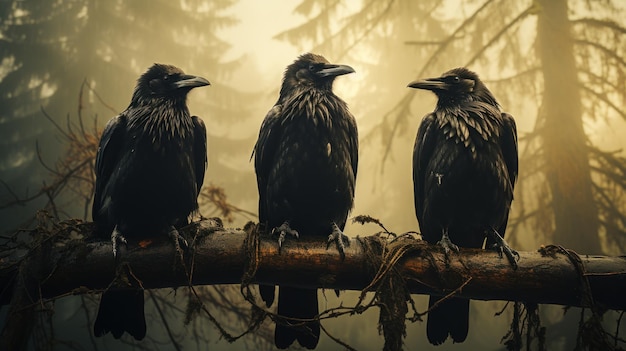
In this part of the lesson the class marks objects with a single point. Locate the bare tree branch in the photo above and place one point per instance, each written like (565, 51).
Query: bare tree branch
(547, 276)
(595, 22)
(530, 10)
(606, 51)
(602, 97)
(450, 38)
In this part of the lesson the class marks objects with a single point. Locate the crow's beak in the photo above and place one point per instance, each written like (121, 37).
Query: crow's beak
(331, 70)
(429, 84)
(189, 81)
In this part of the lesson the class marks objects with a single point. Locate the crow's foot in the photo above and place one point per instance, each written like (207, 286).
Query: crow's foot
(447, 244)
(180, 243)
(282, 232)
(502, 247)
(116, 236)
(339, 238)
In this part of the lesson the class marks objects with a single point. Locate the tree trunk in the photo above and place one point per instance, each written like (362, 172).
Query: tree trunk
(564, 141)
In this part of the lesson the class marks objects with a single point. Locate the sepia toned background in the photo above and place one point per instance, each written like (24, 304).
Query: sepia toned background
(559, 67)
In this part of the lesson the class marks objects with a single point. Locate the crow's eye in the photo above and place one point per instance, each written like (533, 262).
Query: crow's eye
(166, 77)
(312, 67)
(452, 79)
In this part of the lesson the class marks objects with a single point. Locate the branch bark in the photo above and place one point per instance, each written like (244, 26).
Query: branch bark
(217, 255)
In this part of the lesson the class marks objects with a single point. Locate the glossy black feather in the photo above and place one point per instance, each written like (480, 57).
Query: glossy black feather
(464, 171)
(149, 170)
(306, 163)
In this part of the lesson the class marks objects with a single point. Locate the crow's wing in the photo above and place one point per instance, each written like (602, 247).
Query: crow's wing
(353, 134)
(422, 153)
(508, 144)
(199, 150)
(107, 159)
(264, 154)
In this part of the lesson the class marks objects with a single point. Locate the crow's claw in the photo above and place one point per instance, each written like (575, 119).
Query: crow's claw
(282, 232)
(447, 244)
(180, 243)
(339, 238)
(501, 246)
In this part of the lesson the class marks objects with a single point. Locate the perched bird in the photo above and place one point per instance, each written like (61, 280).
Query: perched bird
(149, 170)
(306, 161)
(464, 171)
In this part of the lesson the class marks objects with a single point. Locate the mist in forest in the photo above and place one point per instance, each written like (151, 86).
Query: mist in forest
(557, 66)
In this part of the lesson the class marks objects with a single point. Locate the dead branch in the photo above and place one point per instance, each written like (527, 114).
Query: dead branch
(549, 276)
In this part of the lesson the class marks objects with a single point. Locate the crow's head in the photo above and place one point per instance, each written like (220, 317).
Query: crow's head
(455, 86)
(165, 81)
(311, 70)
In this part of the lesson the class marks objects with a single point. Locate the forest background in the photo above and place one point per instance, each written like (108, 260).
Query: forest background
(559, 67)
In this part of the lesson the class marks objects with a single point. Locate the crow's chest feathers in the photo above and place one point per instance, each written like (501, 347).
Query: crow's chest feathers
(320, 110)
(472, 128)
(163, 133)
(316, 128)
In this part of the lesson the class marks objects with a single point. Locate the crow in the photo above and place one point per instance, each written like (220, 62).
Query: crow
(464, 171)
(306, 162)
(149, 170)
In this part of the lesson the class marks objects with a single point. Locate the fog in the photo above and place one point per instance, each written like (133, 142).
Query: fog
(571, 135)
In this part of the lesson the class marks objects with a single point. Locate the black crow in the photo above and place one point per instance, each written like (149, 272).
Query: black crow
(149, 170)
(306, 162)
(464, 171)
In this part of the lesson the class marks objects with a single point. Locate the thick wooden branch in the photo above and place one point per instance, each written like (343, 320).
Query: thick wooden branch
(220, 256)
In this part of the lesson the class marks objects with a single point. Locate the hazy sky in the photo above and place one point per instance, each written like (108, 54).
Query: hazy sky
(253, 35)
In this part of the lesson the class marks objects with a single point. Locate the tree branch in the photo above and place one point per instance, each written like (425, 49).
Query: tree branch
(220, 257)
(602, 97)
(610, 53)
(529, 11)
(586, 22)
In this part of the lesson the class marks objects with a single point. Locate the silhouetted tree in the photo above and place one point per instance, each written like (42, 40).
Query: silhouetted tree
(66, 68)
(48, 49)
